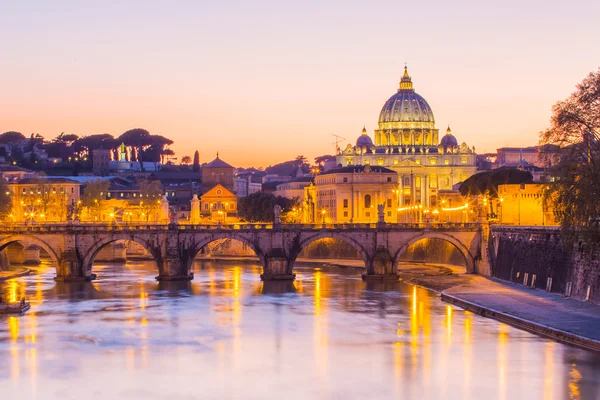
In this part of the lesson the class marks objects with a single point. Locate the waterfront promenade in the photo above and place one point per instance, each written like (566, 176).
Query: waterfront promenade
(547, 314)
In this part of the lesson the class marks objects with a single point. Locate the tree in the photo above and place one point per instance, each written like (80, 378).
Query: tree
(136, 139)
(573, 189)
(84, 146)
(487, 182)
(196, 165)
(11, 137)
(5, 200)
(149, 199)
(259, 207)
(94, 196)
(186, 160)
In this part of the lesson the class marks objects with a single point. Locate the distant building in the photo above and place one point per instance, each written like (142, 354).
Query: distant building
(101, 161)
(274, 178)
(219, 204)
(245, 187)
(407, 142)
(217, 172)
(11, 173)
(43, 199)
(351, 194)
(293, 189)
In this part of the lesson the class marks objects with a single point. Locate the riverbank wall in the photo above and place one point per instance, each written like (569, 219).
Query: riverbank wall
(538, 258)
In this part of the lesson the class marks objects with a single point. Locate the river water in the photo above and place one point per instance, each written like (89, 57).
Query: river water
(227, 335)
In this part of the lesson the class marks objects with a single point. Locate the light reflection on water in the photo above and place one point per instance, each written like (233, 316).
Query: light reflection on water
(228, 335)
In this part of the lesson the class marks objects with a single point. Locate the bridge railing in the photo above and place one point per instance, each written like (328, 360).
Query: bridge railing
(82, 227)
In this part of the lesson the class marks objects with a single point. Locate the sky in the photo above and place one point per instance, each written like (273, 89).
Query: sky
(265, 81)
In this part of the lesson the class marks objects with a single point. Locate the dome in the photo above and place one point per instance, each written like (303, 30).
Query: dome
(406, 105)
(364, 140)
(449, 140)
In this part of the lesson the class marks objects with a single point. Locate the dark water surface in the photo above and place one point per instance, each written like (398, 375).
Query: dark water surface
(328, 335)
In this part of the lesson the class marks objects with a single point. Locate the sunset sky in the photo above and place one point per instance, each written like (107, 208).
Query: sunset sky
(264, 81)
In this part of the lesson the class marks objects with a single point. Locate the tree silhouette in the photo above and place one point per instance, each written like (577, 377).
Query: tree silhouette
(196, 165)
(573, 189)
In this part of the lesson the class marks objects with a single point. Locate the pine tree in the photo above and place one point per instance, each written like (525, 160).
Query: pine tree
(196, 165)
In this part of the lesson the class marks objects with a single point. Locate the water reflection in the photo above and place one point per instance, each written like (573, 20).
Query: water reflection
(326, 335)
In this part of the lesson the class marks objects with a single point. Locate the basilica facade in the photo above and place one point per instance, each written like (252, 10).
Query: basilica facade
(407, 142)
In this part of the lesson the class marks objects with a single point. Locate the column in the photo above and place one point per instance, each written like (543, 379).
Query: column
(401, 191)
(413, 187)
(425, 191)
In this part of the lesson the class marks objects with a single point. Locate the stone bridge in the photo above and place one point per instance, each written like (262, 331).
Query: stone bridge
(73, 247)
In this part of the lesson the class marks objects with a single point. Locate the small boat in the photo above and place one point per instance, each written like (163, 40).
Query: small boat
(14, 308)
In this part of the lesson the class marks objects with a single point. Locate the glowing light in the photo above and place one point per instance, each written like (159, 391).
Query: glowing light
(13, 328)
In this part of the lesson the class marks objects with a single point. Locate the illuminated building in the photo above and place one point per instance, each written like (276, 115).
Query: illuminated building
(351, 194)
(43, 199)
(407, 142)
(219, 204)
(521, 204)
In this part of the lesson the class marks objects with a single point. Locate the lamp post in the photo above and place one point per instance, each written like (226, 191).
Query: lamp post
(323, 214)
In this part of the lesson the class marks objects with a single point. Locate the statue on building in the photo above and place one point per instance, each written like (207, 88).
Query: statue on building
(380, 215)
(277, 211)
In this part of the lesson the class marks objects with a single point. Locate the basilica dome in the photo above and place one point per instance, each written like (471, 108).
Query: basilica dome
(449, 140)
(364, 140)
(406, 118)
(406, 105)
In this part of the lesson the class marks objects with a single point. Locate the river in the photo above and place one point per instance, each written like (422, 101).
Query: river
(227, 335)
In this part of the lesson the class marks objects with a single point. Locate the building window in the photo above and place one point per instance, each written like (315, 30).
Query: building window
(349, 160)
(107, 194)
(367, 214)
(346, 214)
(433, 181)
(389, 178)
(172, 194)
(389, 203)
(446, 162)
(463, 159)
(345, 179)
(366, 162)
(206, 206)
(380, 161)
(418, 161)
(345, 203)
(432, 161)
(368, 201)
(389, 213)
(406, 181)
(395, 162)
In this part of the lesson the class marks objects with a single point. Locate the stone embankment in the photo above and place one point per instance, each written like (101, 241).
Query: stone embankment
(546, 314)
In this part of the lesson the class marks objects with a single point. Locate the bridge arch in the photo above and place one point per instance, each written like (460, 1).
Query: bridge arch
(90, 255)
(464, 250)
(27, 238)
(201, 241)
(311, 238)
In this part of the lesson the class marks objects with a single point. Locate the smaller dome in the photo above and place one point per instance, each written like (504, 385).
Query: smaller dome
(364, 140)
(449, 140)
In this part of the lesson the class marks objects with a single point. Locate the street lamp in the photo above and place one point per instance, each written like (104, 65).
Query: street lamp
(323, 214)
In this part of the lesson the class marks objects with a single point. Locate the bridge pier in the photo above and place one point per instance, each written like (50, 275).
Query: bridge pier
(380, 268)
(70, 269)
(174, 269)
(276, 267)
